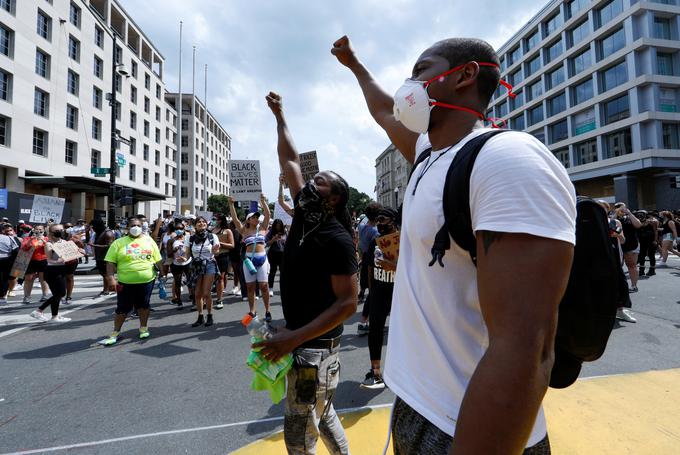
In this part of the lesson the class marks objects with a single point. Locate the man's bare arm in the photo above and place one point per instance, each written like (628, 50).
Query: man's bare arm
(289, 160)
(380, 103)
(507, 388)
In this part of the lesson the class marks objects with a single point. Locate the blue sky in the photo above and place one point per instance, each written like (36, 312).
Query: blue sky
(252, 47)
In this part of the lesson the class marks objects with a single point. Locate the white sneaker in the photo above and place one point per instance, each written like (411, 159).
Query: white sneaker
(11, 294)
(245, 299)
(59, 318)
(26, 301)
(271, 293)
(236, 291)
(19, 287)
(625, 315)
(36, 314)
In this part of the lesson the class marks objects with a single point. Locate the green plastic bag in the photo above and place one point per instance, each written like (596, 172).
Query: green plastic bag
(268, 375)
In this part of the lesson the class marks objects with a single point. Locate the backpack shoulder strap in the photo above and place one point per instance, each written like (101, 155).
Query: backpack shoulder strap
(456, 201)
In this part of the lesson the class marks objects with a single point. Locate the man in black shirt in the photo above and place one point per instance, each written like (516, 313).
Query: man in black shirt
(318, 293)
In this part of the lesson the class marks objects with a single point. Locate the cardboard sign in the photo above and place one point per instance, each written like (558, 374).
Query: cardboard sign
(205, 214)
(309, 165)
(282, 215)
(244, 180)
(67, 250)
(46, 208)
(21, 263)
(389, 245)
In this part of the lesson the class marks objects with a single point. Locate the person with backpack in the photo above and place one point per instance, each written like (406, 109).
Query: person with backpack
(473, 378)
(202, 248)
(648, 235)
(255, 263)
(226, 237)
(178, 250)
(631, 247)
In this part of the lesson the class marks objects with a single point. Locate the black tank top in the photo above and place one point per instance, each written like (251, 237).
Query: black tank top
(630, 233)
(666, 229)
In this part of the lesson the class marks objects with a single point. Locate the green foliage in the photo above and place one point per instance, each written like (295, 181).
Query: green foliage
(218, 203)
(357, 201)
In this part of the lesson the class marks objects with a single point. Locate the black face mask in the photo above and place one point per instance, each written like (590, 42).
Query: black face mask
(57, 234)
(384, 228)
(313, 206)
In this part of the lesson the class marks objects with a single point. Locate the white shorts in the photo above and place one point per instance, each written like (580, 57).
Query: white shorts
(668, 237)
(262, 274)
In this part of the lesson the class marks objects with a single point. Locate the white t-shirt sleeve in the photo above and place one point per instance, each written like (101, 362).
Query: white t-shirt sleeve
(518, 186)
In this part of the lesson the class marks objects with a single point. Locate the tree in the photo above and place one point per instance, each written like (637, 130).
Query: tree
(357, 201)
(218, 203)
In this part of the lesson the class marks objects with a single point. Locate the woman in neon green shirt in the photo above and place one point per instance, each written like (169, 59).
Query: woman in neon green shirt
(136, 259)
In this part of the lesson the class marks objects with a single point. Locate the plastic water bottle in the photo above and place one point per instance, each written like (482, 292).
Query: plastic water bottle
(377, 256)
(256, 327)
(162, 293)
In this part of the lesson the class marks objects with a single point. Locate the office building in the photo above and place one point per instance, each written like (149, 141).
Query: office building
(392, 171)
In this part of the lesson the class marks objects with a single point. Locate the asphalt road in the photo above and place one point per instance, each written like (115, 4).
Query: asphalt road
(187, 390)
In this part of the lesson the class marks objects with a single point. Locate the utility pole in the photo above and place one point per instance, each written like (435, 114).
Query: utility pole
(205, 141)
(178, 181)
(113, 162)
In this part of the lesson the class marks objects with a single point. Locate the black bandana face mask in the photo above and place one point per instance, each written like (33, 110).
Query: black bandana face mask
(313, 206)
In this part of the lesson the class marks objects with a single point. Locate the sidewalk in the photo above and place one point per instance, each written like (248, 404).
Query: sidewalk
(612, 415)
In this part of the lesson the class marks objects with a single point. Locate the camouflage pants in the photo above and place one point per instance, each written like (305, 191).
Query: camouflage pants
(413, 434)
(309, 409)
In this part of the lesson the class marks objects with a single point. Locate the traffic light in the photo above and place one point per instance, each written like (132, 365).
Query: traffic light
(123, 196)
(675, 182)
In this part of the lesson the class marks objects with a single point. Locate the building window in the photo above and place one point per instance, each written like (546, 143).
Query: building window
(184, 192)
(133, 94)
(608, 12)
(617, 144)
(185, 158)
(133, 120)
(580, 62)
(5, 86)
(562, 156)
(671, 136)
(156, 180)
(539, 135)
(42, 64)
(118, 83)
(553, 51)
(158, 114)
(533, 66)
(118, 110)
(664, 63)
(158, 91)
(558, 131)
(147, 81)
(71, 152)
(515, 103)
(74, 48)
(73, 83)
(578, 33)
(147, 105)
(99, 36)
(557, 104)
(185, 141)
(97, 98)
(7, 5)
(552, 24)
(44, 26)
(575, 6)
(585, 152)
(132, 173)
(74, 15)
(614, 76)
(185, 175)
(582, 92)
(535, 115)
(534, 90)
(4, 130)
(134, 67)
(95, 158)
(158, 136)
(118, 54)
(531, 41)
(145, 152)
(96, 129)
(41, 103)
(157, 158)
(133, 146)
(98, 67)
(610, 44)
(616, 109)
(502, 109)
(39, 142)
(6, 41)
(146, 128)
(145, 176)
(662, 28)
(584, 122)
(185, 124)
(71, 117)
(554, 78)
(514, 55)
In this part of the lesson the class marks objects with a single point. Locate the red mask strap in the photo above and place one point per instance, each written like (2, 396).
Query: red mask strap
(495, 122)
(441, 76)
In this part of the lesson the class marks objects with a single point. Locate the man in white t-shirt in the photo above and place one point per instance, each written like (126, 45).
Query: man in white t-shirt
(470, 349)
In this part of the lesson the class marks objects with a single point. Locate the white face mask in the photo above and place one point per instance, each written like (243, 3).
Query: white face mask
(412, 106)
(135, 231)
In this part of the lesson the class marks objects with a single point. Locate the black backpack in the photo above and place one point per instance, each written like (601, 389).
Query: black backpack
(587, 311)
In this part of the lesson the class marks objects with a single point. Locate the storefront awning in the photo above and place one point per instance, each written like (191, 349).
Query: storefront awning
(92, 185)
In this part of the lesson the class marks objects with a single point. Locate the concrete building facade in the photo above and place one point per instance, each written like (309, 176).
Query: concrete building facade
(599, 83)
(206, 151)
(56, 73)
(392, 171)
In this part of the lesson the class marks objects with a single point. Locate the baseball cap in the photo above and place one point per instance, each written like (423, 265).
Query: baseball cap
(252, 214)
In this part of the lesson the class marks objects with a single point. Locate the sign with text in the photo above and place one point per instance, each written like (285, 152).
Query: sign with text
(244, 179)
(309, 165)
(67, 250)
(3, 198)
(47, 208)
(21, 262)
(205, 214)
(389, 245)
(281, 214)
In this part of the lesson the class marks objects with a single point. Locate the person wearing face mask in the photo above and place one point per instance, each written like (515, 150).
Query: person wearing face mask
(226, 237)
(178, 249)
(76, 237)
(36, 268)
(9, 247)
(203, 245)
(317, 296)
(381, 286)
(253, 231)
(135, 259)
(55, 276)
(101, 241)
(466, 403)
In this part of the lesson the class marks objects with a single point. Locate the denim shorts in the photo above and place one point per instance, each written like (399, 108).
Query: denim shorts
(133, 295)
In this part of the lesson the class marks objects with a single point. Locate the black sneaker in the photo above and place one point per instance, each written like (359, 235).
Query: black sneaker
(267, 317)
(372, 381)
(362, 328)
(209, 320)
(198, 322)
(651, 272)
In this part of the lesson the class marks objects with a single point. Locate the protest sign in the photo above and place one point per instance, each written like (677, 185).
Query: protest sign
(389, 245)
(244, 180)
(46, 208)
(309, 165)
(21, 263)
(281, 214)
(205, 214)
(66, 250)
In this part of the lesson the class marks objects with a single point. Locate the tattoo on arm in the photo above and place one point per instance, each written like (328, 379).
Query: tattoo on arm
(488, 237)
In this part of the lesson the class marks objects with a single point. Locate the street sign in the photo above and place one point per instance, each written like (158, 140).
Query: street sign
(100, 170)
(121, 162)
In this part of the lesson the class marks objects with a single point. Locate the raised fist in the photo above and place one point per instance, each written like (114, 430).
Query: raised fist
(275, 102)
(342, 49)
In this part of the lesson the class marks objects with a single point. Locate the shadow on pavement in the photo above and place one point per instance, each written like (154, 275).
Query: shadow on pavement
(54, 350)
